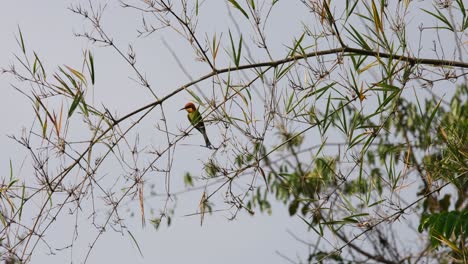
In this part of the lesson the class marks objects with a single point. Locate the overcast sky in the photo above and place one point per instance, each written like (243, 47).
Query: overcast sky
(48, 29)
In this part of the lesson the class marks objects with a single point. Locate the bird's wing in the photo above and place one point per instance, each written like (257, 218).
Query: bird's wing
(196, 120)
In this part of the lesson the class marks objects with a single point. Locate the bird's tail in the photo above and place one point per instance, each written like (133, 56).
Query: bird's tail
(207, 140)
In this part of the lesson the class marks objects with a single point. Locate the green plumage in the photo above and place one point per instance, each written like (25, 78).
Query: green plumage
(196, 120)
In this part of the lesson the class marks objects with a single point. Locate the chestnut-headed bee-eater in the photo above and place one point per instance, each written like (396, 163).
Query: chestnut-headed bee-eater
(196, 120)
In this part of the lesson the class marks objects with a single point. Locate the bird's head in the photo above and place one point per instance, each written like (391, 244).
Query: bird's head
(189, 107)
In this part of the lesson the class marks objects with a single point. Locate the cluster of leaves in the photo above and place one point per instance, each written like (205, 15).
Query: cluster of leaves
(449, 229)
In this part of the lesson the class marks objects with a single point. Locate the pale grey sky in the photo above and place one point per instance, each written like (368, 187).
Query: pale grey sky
(48, 29)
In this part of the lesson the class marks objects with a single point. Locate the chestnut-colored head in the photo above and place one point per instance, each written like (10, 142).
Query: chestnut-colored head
(189, 107)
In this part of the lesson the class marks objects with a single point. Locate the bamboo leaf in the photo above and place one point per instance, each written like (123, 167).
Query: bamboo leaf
(368, 66)
(358, 39)
(288, 105)
(297, 44)
(349, 11)
(238, 7)
(376, 203)
(252, 4)
(40, 65)
(64, 84)
(34, 68)
(44, 127)
(74, 104)
(202, 207)
(199, 101)
(11, 170)
(441, 18)
(377, 22)
(91, 67)
(21, 41)
(385, 87)
(84, 107)
(233, 48)
(23, 200)
(311, 226)
(70, 78)
(239, 51)
(78, 74)
(429, 121)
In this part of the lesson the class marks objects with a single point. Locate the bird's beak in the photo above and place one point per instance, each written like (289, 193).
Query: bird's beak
(183, 108)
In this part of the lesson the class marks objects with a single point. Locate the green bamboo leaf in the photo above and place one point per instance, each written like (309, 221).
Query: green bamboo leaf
(358, 39)
(70, 78)
(75, 103)
(40, 65)
(2, 219)
(320, 92)
(233, 48)
(199, 101)
(450, 224)
(387, 100)
(349, 11)
(326, 114)
(288, 105)
(64, 86)
(458, 226)
(358, 139)
(11, 183)
(78, 74)
(252, 4)
(44, 127)
(21, 41)
(344, 125)
(439, 224)
(239, 51)
(282, 71)
(425, 221)
(84, 107)
(462, 7)
(11, 170)
(297, 44)
(34, 68)
(91, 66)
(357, 62)
(356, 215)
(188, 180)
(311, 226)
(376, 203)
(23, 200)
(248, 94)
(429, 121)
(236, 5)
(442, 18)
(340, 222)
(385, 87)
(375, 13)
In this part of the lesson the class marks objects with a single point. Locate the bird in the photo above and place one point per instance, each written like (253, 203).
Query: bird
(196, 120)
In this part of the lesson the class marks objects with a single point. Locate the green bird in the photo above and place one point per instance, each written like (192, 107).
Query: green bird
(196, 120)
